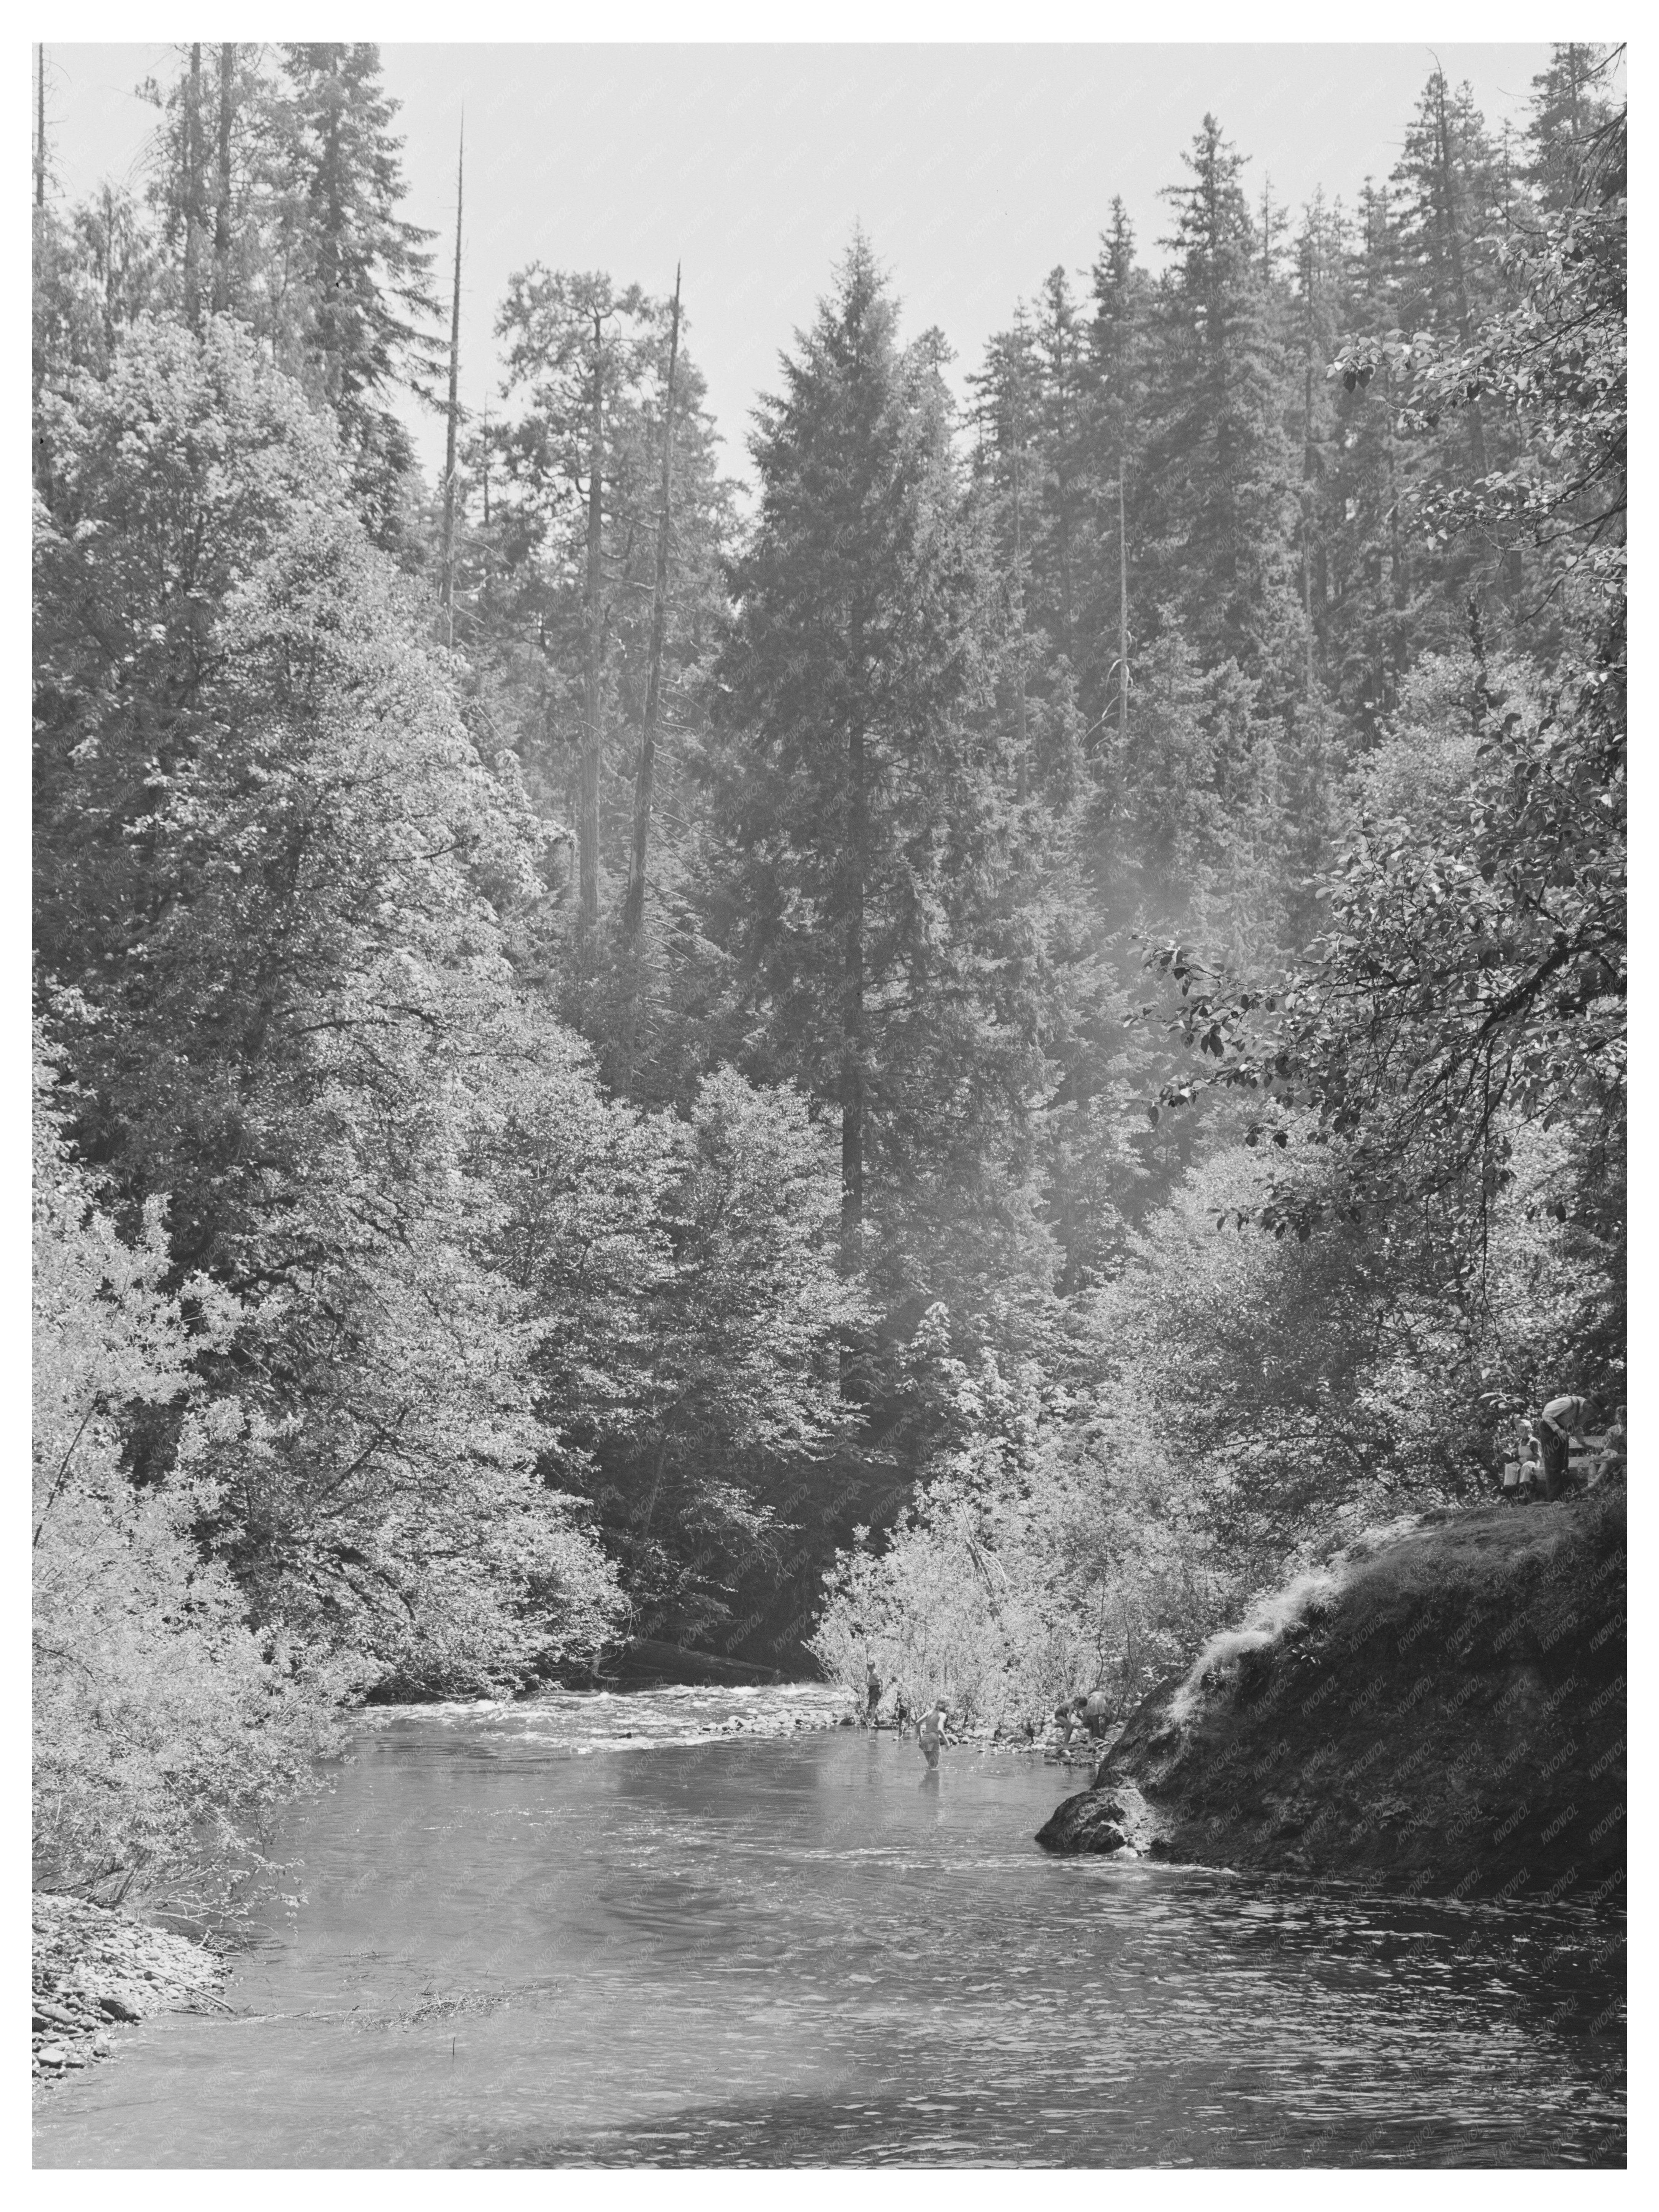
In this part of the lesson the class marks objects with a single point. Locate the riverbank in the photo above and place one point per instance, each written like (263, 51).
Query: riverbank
(94, 1971)
(1438, 1706)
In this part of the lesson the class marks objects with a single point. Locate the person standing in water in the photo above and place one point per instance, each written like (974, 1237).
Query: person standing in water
(932, 1732)
(872, 1692)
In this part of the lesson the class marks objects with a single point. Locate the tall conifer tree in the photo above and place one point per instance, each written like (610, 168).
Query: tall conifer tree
(369, 309)
(1570, 112)
(1221, 468)
(1116, 411)
(864, 791)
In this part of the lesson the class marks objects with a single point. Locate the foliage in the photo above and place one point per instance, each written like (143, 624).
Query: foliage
(312, 987)
(1050, 1549)
(1472, 978)
(867, 890)
(497, 1279)
(560, 626)
(688, 1308)
(1230, 1397)
(167, 1730)
(362, 270)
(1217, 449)
(275, 195)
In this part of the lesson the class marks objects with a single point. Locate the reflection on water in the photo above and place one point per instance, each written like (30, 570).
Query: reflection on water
(626, 1931)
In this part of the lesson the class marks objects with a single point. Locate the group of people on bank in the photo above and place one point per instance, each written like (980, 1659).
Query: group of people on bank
(1544, 1470)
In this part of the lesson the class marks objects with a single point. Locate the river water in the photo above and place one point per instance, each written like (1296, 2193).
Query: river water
(648, 1930)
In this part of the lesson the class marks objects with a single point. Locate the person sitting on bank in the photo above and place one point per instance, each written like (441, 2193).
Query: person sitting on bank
(1561, 1420)
(1519, 1481)
(1531, 1485)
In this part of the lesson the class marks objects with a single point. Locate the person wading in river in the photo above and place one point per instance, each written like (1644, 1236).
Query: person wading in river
(872, 1694)
(932, 1732)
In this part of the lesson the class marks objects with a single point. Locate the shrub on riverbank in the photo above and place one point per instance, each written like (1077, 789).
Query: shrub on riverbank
(1053, 1547)
(166, 1731)
(1232, 1399)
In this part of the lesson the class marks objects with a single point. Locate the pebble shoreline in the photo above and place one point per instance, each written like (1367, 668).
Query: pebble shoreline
(95, 1971)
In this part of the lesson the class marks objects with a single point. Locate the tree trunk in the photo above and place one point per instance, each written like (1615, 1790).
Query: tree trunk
(1455, 241)
(1063, 491)
(446, 587)
(222, 192)
(852, 1008)
(1309, 469)
(587, 823)
(1023, 786)
(1401, 583)
(329, 242)
(1122, 616)
(634, 905)
(193, 195)
(1393, 653)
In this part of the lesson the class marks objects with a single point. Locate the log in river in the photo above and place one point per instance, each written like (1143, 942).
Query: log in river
(677, 1929)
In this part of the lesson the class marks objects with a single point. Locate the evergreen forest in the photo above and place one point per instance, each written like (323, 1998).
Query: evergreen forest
(944, 1062)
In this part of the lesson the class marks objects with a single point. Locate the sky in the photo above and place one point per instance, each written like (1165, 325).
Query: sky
(973, 169)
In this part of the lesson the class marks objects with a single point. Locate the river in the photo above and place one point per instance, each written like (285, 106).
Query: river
(644, 1931)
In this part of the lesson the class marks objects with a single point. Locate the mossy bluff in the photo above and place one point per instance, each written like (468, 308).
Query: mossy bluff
(1439, 1705)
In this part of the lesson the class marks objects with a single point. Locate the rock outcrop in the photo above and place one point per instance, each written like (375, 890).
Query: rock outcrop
(1438, 1705)
(1110, 1819)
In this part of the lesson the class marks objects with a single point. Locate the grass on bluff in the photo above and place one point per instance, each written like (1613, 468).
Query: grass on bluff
(1495, 1580)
